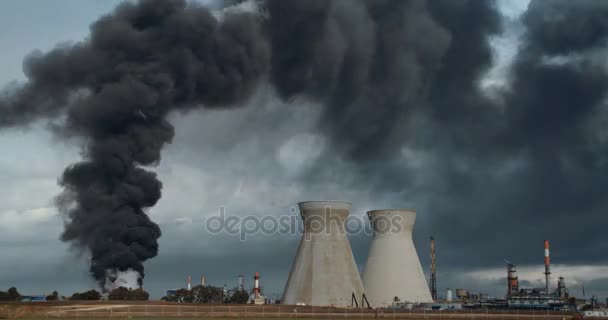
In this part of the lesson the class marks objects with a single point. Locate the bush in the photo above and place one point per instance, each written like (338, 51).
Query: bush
(10, 295)
(88, 295)
(122, 293)
(199, 294)
(207, 294)
(53, 297)
(239, 296)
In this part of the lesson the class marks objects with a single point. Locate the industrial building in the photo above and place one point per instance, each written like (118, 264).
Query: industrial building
(536, 298)
(543, 298)
(324, 272)
(393, 272)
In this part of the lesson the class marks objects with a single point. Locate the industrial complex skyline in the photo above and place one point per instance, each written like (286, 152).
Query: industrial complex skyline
(506, 148)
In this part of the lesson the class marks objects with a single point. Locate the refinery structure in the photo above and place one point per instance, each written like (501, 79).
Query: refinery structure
(324, 272)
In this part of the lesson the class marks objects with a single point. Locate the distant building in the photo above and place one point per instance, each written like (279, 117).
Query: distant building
(33, 298)
(596, 313)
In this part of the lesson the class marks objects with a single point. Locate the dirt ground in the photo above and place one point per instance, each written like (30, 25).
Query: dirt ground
(159, 310)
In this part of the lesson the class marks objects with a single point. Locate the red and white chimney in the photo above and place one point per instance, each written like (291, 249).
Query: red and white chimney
(547, 267)
(189, 283)
(256, 285)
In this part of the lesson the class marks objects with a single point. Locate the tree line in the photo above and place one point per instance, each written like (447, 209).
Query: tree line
(10, 295)
(208, 294)
(121, 293)
(198, 294)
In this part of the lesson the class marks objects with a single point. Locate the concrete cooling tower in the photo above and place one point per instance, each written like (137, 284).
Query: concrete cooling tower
(324, 272)
(393, 268)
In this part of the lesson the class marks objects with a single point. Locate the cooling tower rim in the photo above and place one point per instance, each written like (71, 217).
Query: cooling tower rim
(401, 210)
(317, 204)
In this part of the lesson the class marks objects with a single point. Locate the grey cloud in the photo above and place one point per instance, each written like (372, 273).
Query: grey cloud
(406, 125)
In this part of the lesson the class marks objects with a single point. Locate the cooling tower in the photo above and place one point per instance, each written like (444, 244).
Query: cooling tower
(323, 272)
(393, 268)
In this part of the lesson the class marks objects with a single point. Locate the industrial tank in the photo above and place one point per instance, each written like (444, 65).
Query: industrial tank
(393, 269)
(462, 294)
(323, 272)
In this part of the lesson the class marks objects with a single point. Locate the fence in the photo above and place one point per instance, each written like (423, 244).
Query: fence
(152, 310)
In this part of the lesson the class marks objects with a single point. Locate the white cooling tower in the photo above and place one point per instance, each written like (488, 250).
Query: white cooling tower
(324, 272)
(393, 268)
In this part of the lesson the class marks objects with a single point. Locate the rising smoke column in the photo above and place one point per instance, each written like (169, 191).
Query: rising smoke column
(372, 65)
(139, 63)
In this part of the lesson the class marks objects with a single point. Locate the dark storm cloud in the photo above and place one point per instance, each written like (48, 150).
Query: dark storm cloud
(454, 95)
(494, 176)
(530, 166)
(365, 60)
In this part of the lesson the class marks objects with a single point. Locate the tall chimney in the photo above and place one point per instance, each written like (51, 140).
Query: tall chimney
(256, 285)
(189, 283)
(393, 268)
(203, 280)
(241, 283)
(324, 272)
(433, 271)
(512, 280)
(547, 267)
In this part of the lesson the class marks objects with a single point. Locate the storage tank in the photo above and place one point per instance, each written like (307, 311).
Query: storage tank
(448, 295)
(323, 272)
(462, 294)
(393, 268)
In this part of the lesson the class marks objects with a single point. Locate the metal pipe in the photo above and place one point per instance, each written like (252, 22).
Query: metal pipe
(547, 267)
(433, 271)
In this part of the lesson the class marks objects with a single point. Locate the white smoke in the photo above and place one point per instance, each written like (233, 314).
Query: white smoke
(128, 279)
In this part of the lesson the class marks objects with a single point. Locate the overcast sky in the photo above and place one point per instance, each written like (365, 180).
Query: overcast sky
(215, 161)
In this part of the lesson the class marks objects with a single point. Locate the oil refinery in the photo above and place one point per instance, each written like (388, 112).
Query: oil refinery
(324, 272)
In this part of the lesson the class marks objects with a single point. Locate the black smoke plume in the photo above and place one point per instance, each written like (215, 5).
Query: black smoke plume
(365, 60)
(116, 88)
(389, 74)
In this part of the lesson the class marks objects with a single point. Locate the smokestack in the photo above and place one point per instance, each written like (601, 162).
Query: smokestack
(241, 283)
(547, 267)
(562, 291)
(512, 280)
(433, 271)
(324, 272)
(203, 280)
(256, 284)
(393, 268)
(189, 283)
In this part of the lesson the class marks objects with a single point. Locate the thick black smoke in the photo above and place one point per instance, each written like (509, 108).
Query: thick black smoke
(524, 167)
(389, 74)
(365, 60)
(504, 163)
(140, 62)
(146, 59)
